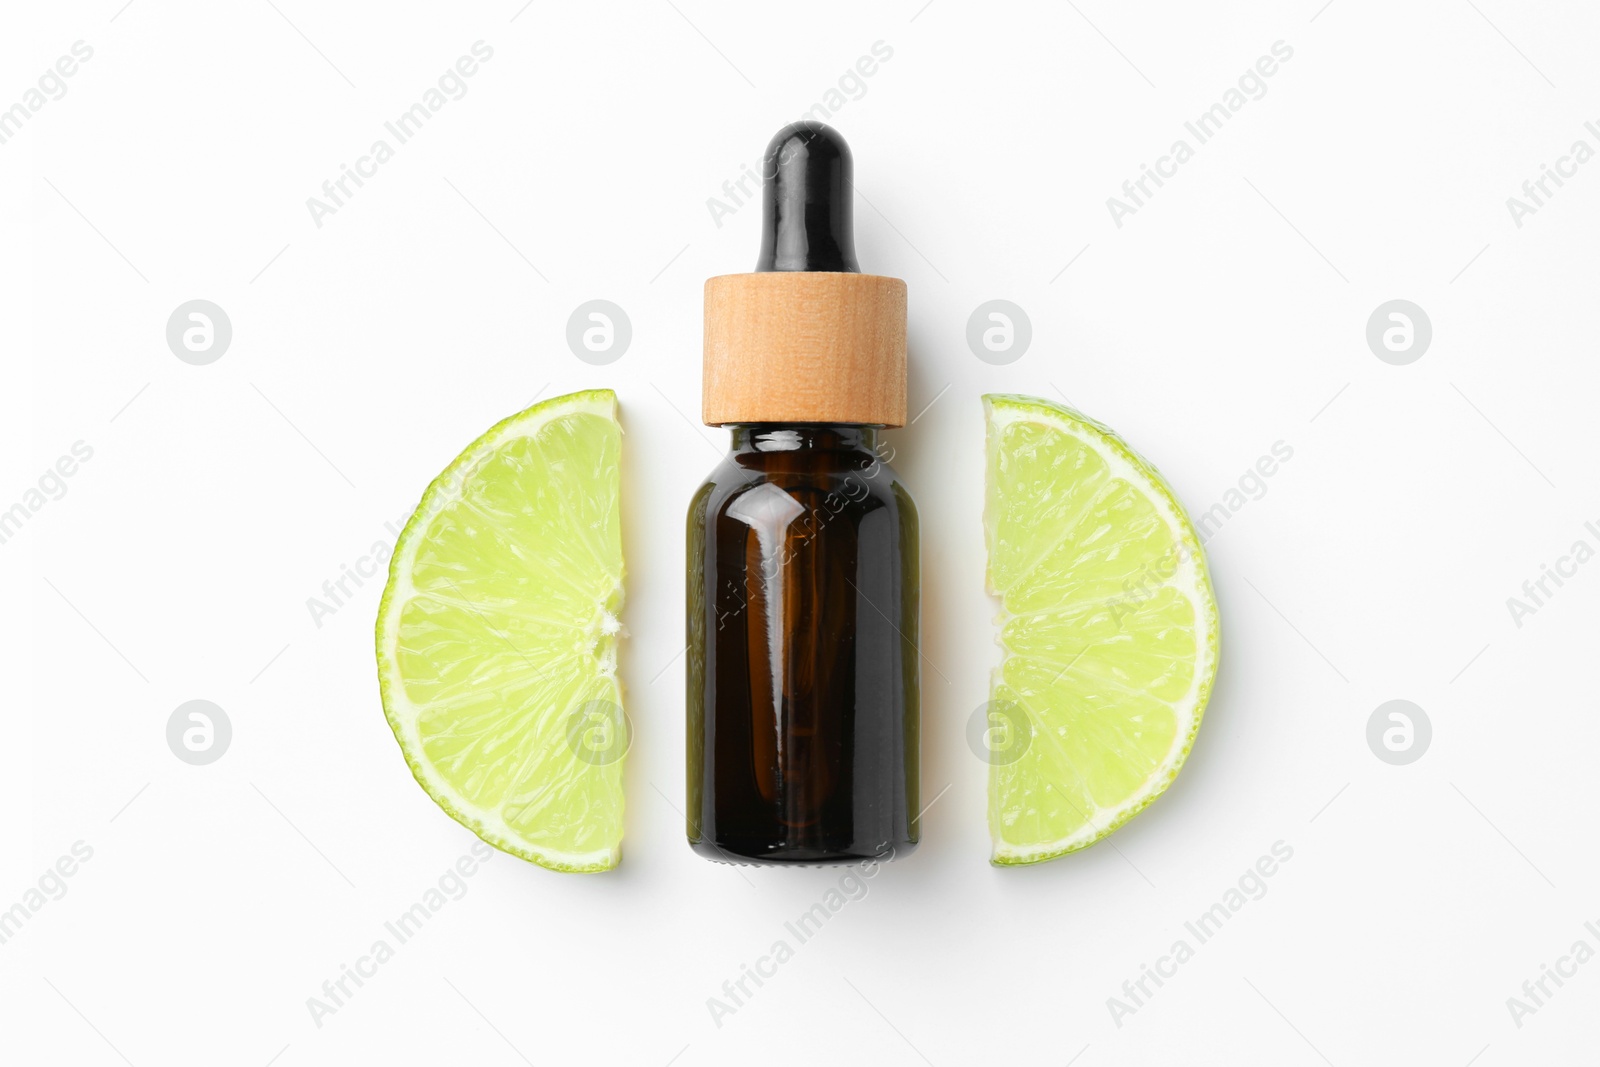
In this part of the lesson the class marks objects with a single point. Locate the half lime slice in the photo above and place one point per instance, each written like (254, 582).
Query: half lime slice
(497, 636)
(1108, 624)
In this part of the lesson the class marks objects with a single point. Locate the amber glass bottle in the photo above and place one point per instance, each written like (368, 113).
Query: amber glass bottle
(803, 719)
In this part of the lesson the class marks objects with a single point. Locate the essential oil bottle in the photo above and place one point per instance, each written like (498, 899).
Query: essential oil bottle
(803, 717)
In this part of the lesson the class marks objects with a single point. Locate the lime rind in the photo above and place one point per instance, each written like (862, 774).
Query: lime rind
(401, 714)
(1190, 579)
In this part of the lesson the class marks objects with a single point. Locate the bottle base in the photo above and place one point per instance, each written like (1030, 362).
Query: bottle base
(744, 854)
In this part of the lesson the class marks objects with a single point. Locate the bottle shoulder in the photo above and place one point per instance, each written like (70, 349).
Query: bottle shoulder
(836, 481)
(864, 473)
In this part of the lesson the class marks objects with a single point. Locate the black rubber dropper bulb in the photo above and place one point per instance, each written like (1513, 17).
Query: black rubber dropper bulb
(806, 194)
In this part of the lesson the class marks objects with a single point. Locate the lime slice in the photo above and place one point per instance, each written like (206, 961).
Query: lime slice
(1109, 628)
(497, 636)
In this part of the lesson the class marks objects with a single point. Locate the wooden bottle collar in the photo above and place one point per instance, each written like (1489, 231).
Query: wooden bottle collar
(805, 346)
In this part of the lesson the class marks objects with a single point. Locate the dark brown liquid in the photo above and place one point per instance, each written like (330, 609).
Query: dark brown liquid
(803, 666)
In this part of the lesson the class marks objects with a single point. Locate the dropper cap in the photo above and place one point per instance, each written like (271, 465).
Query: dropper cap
(806, 338)
(807, 194)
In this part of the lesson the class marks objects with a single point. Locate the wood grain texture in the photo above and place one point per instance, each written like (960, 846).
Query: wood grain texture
(797, 346)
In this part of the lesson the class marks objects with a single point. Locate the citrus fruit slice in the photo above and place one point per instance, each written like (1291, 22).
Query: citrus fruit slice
(1108, 625)
(497, 636)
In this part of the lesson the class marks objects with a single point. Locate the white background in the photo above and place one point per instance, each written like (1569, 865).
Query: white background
(1227, 315)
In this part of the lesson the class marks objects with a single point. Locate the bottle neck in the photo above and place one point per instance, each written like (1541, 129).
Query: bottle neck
(803, 437)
